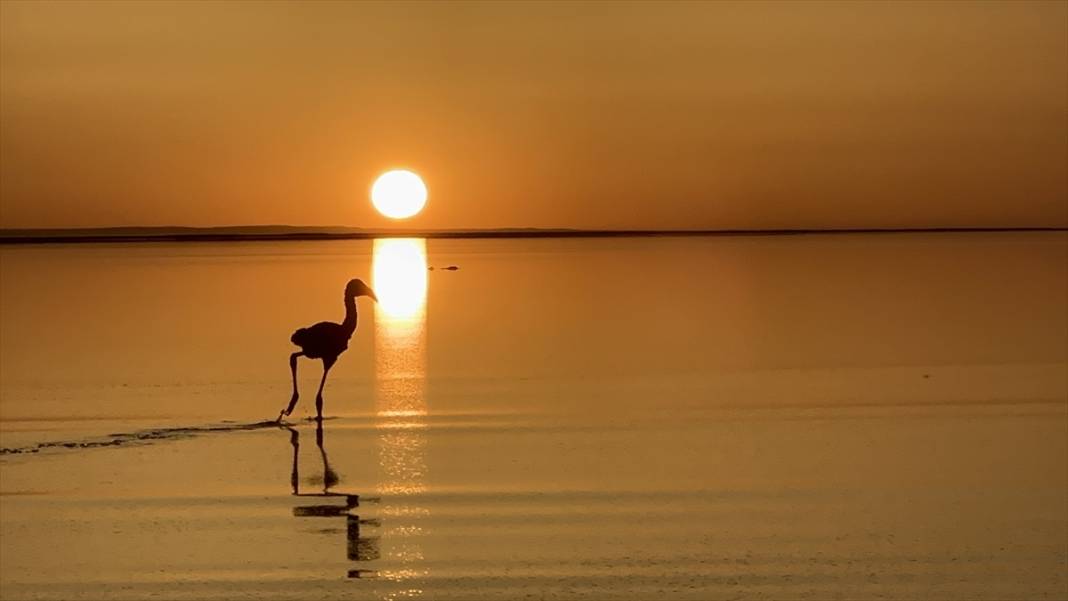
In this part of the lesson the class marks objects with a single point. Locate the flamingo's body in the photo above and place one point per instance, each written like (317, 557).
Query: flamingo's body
(322, 340)
(326, 340)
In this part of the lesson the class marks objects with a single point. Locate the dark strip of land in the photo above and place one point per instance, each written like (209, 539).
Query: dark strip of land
(272, 233)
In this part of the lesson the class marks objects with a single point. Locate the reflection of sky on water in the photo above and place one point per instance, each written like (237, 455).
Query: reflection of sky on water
(400, 281)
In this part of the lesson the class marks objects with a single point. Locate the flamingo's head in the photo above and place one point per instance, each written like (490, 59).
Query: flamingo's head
(358, 288)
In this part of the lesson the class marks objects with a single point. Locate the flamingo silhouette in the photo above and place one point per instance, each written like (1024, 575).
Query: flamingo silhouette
(326, 340)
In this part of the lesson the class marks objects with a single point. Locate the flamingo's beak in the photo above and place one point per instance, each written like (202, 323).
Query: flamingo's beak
(371, 293)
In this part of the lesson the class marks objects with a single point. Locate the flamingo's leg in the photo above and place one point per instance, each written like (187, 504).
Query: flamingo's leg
(296, 395)
(328, 362)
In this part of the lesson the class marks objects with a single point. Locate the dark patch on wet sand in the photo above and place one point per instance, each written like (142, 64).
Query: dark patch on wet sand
(139, 437)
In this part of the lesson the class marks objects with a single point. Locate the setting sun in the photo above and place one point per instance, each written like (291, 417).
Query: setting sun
(398, 194)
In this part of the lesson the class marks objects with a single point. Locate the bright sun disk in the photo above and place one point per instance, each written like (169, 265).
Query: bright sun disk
(398, 194)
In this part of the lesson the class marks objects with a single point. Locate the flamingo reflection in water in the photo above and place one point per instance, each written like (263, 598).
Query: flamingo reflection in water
(359, 548)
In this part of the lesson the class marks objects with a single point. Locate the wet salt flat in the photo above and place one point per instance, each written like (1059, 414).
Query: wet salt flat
(854, 417)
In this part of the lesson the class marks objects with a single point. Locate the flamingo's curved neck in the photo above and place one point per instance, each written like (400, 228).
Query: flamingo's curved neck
(350, 315)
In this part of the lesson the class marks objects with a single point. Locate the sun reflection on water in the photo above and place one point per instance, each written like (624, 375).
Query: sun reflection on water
(400, 281)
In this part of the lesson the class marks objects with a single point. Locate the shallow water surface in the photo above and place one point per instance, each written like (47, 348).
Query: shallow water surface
(756, 417)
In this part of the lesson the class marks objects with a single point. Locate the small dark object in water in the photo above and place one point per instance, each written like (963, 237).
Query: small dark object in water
(450, 268)
(431, 268)
(926, 376)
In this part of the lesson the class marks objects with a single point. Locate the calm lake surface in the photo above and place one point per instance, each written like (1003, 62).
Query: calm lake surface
(847, 416)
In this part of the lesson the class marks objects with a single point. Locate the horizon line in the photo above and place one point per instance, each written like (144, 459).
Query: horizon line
(259, 233)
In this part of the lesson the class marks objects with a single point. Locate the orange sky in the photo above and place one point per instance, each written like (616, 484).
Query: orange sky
(600, 115)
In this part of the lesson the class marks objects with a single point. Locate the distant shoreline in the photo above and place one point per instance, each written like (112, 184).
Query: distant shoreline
(271, 233)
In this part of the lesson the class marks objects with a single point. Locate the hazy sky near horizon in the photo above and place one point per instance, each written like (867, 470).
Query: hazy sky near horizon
(586, 115)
